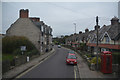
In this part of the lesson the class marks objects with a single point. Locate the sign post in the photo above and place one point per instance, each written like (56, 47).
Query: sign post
(23, 48)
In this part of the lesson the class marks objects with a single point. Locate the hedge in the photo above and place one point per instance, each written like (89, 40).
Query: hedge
(11, 44)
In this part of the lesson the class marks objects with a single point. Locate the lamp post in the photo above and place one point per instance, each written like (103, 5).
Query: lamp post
(75, 37)
(97, 40)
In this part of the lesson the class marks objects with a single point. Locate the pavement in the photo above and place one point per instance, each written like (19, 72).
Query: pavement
(24, 67)
(85, 72)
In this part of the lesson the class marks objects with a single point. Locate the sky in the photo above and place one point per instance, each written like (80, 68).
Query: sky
(61, 16)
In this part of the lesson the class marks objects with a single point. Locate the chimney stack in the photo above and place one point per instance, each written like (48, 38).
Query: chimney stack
(86, 30)
(24, 13)
(114, 21)
(80, 32)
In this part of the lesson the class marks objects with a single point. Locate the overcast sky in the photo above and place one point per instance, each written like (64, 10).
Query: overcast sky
(61, 15)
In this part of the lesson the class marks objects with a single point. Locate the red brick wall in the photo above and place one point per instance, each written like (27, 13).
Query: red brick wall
(24, 13)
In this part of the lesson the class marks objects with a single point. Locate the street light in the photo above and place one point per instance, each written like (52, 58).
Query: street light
(97, 40)
(75, 37)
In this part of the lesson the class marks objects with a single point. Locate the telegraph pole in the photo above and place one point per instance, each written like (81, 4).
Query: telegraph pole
(97, 40)
(75, 37)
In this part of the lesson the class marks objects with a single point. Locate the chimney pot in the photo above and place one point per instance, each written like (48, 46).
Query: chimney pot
(114, 21)
(86, 30)
(80, 32)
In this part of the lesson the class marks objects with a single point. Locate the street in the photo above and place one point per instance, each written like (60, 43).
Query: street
(53, 67)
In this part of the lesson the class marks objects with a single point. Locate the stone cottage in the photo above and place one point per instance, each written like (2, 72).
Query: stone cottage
(32, 28)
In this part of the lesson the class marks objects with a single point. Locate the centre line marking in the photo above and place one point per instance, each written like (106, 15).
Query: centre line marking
(75, 72)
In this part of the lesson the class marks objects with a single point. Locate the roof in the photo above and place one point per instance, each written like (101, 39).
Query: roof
(114, 31)
(102, 30)
(115, 18)
(38, 24)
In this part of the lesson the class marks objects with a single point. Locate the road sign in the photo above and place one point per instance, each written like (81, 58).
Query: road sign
(23, 48)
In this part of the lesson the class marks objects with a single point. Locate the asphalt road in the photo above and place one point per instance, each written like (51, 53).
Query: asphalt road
(54, 67)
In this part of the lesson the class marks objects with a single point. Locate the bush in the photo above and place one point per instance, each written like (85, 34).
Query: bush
(94, 60)
(32, 52)
(17, 52)
(8, 57)
(11, 44)
(88, 55)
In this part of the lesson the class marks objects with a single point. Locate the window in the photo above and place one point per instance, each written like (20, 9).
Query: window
(42, 28)
(42, 33)
(107, 39)
(71, 57)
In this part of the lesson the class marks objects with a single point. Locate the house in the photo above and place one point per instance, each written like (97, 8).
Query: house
(75, 39)
(108, 37)
(33, 29)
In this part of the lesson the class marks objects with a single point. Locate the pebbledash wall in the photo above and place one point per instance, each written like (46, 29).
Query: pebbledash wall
(31, 28)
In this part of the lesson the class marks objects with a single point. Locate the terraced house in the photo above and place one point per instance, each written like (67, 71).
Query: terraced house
(35, 30)
(109, 37)
(75, 39)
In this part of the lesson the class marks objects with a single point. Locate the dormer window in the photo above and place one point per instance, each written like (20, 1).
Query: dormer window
(107, 40)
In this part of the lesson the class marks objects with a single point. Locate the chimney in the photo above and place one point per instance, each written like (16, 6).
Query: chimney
(80, 32)
(42, 22)
(24, 13)
(37, 19)
(86, 30)
(74, 33)
(114, 21)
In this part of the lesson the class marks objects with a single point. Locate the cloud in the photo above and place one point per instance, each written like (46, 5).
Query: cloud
(61, 15)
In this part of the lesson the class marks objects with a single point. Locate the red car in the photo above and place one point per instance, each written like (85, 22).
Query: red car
(71, 59)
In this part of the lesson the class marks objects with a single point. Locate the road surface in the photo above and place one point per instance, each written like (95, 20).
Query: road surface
(54, 67)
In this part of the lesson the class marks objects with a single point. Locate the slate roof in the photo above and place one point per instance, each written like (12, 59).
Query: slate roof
(114, 31)
(80, 36)
(38, 24)
(102, 30)
(91, 35)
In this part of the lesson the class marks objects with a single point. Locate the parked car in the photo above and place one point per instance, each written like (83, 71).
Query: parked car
(71, 59)
(59, 46)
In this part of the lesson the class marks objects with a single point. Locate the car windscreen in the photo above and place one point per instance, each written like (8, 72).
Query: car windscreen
(71, 57)
(71, 52)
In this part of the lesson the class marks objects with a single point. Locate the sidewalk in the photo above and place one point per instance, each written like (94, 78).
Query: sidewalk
(85, 72)
(18, 70)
